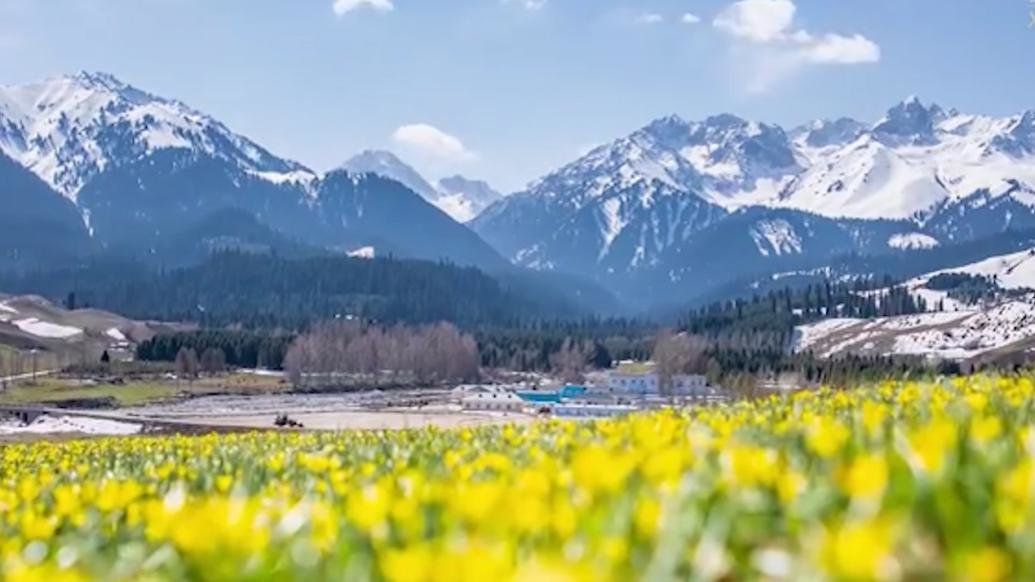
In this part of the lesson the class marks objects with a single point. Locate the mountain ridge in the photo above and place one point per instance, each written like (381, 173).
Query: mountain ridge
(459, 197)
(936, 176)
(139, 167)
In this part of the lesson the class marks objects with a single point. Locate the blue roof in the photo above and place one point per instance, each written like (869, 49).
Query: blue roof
(540, 396)
(555, 396)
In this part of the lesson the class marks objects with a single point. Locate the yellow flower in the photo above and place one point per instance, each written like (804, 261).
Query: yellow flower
(865, 477)
(747, 465)
(600, 470)
(988, 564)
(984, 429)
(931, 443)
(827, 436)
(860, 551)
(410, 564)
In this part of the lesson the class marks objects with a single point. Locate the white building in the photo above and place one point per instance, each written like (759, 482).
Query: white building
(494, 401)
(465, 390)
(649, 384)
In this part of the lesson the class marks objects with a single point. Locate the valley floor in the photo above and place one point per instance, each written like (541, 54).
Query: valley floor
(56, 412)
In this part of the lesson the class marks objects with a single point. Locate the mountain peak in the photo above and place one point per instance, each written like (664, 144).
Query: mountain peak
(725, 120)
(909, 122)
(67, 129)
(373, 157)
(829, 132)
(388, 165)
(464, 199)
(98, 79)
(460, 198)
(671, 120)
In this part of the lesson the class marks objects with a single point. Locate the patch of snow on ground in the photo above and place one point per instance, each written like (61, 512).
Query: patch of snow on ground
(951, 335)
(293, 177)
(457, 206)
(262, 372)
(907, 322)
(847, 343)
(1013, 271)
(612, 224)
(776, 237)
(69, 425)
(7, 308)
(912, 241)
(809, 335)
(45, 329)
(363, 253)
(115, 334)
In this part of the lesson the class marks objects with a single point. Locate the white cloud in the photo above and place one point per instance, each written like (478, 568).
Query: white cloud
(343, 6)
(778, 49)
(757, 20)
(650, 18)
(834, 48)
(432, 143)
(690, 18)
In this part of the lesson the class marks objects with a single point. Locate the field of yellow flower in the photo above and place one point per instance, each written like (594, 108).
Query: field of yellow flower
(897, 481)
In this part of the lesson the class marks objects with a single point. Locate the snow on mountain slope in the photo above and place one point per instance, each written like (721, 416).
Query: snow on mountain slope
(912, 241)
(460, 198)
(68, 129)
(465, 199)
(920, 177)
(959, 331)
(825, 133)
(635, 187)
(912, 160)
(776, 237)
(1013, 271)
(388, 165)
(865, 179)
(957, 335)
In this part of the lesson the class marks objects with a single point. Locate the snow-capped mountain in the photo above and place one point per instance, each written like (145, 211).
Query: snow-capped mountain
(460, 198)
(69, 129)
(464, 199)
(642, 194)
(918, 178)
(142, 169)
(673, 210)
(388, 165)
(913, 161)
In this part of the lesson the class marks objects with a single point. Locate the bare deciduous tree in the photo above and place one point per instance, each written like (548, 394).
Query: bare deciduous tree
(571, 361)
(336, 352)
(187, 364)
(676, 354)
(213, 361)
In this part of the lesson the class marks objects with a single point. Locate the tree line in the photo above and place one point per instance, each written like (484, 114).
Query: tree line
(348, 353)
(268, 292)
(240, 348)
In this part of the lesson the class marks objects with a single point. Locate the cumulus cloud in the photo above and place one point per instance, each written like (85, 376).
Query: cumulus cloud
(432, 143)
(650, 18)
(834, 48)
(781, 49)
(341, 7)
(690, 18)
(759, 21)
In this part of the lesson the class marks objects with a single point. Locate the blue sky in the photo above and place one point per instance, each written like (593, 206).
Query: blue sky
(509, 89)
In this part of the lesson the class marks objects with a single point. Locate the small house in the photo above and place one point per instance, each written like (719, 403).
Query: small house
(496, 401)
